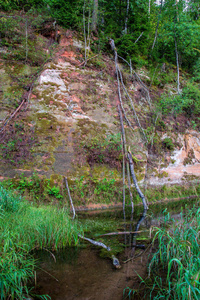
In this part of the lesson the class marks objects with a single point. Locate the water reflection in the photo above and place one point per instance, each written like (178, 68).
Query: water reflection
(86, 272)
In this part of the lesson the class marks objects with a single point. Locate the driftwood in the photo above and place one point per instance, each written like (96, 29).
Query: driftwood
(116, 263)
(137, 231)
(120, 233)
(99, 244)
(70, 198)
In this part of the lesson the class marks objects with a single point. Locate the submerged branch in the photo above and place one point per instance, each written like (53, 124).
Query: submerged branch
(100, 244)
(120, 233)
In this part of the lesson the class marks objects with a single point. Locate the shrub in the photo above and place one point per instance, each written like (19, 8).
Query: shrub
(187, 102)
(168, 144)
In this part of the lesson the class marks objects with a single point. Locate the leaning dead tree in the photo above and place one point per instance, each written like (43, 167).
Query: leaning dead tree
(131, 165)
(127, 154)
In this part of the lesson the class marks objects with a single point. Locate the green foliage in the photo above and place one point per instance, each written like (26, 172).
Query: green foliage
(9, 201)
(188, 101)
(196, 71)
(54, 191)
(168, 144)
(22, 47)
(104, 186)
(104, 149)
(95, 190)
(23, 230)
(38, 187)
(178, 257)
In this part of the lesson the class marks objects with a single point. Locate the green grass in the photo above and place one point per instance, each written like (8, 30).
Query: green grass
(24, 228)
(174, 271)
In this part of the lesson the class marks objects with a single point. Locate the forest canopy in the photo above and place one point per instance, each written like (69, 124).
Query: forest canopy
(144, 31)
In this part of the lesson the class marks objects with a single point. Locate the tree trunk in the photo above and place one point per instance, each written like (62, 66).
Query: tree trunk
(156, 33)
(95, 16)
(135, 181)
(126, 20)
(177, 64)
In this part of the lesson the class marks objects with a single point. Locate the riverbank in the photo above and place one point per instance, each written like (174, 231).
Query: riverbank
(24, 228)
(97, 195)
(173, 272)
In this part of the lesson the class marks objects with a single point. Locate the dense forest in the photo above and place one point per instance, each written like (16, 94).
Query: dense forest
(100, 107)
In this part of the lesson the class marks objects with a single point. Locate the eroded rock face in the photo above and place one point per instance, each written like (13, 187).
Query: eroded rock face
(186, 161)
(182, 164)
(73, 110)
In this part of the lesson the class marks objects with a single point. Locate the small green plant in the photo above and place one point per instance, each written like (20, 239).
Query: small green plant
(194, 125)
(104, 186)
(54, 191)
(168, 144)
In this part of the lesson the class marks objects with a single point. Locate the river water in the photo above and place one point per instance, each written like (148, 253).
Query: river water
(86, 272)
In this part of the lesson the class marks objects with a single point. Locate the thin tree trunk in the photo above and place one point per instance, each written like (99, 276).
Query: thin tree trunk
(88, 32)
(135, 181)
(177, 64)
(84, 31)
(124, 190)
(149, 7)
(26, 40)
(126, 19)
(138, 38)
(137, 229)
(70, 198)
(138, 121)
(95, 16)
(156, 33)
(129, 187)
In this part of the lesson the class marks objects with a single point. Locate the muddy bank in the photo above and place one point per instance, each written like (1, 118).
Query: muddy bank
(88, 276)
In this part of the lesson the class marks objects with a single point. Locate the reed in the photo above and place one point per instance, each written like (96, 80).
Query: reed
(23, 228)
(175, 267)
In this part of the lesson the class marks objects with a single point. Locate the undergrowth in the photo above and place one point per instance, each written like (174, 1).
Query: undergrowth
(174, 268)
(23, 228)
(90, 189)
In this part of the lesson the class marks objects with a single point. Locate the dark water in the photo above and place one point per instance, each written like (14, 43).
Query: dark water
(87, 272)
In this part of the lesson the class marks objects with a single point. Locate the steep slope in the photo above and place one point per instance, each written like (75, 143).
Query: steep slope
(71, 125)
